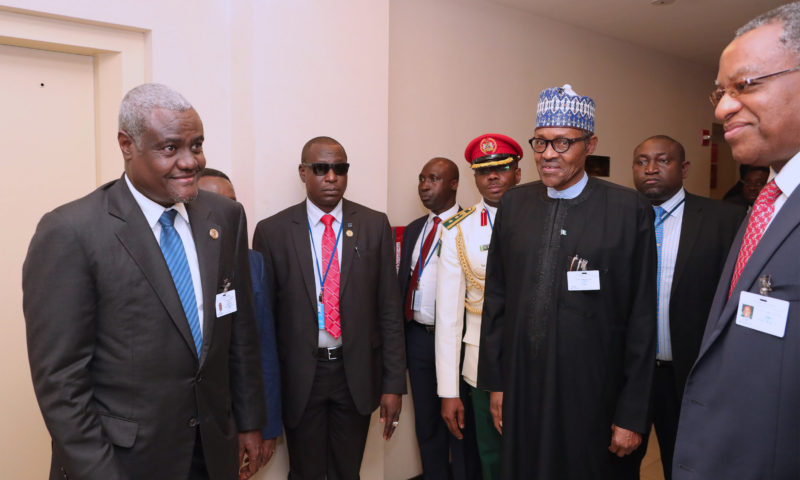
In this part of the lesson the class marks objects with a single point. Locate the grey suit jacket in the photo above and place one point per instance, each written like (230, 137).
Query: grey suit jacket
(740, 417)
(114, 366)
(369, 305)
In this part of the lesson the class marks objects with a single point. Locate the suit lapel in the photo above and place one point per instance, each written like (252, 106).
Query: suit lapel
(723, 308)
(410, 237)
(208, 256)
(136, 236)
(690, 229)
(302, 250)
(349, 242)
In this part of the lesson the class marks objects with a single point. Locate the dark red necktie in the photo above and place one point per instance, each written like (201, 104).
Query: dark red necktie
(423, 255)
(330, 292)
(759, 219)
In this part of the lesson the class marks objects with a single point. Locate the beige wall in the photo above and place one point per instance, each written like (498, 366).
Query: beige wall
(397, 82)
(460, 68)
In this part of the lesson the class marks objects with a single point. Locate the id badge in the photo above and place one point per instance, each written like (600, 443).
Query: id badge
(583, 280)
(765, 314)
(416, 303)
(320, 315)
(226, 303)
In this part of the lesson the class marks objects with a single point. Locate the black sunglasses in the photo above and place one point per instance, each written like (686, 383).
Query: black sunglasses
(481, 171)
(321, 169)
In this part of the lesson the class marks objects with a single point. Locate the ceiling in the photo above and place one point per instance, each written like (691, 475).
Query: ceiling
(696, 30)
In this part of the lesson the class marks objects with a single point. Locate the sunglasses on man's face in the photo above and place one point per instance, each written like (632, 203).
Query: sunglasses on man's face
(321, 169)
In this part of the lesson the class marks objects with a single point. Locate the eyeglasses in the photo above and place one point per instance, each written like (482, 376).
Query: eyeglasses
(321, 169)
(738, 88)
(560, 144)
(481, 171)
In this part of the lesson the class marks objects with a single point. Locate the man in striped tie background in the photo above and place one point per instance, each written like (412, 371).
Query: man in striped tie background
(693, 236)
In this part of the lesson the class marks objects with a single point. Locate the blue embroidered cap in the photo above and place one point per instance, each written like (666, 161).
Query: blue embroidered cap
(562, 107)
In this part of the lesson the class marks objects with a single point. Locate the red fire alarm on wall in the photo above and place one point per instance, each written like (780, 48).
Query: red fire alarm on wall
(705, 140)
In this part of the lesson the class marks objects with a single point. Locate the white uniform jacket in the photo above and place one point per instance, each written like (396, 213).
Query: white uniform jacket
(459, 287)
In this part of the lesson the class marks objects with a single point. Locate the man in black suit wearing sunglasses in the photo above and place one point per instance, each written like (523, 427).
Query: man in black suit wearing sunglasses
(338, 317)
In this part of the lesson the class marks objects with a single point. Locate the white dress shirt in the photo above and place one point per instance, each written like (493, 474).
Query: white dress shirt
(673, 218)
(787, 180)
(427, 280)
(317, 228)
(152, 212)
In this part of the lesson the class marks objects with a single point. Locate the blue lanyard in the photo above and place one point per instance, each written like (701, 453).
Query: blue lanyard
(430, 254)
(488, 216)
(316, 260)
(666, 215)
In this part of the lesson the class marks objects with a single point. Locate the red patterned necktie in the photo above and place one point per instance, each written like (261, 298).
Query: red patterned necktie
(423, 255)
(330, 291)
(759, 219)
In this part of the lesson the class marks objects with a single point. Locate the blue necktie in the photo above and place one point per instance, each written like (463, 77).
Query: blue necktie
(659, 224)
(175, 255)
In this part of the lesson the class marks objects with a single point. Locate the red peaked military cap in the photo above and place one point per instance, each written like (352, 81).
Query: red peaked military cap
(491, 144)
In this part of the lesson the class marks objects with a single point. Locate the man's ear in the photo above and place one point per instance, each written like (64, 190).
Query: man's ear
(126, 144)
(592, 145)
(454, 184)
(302, 172)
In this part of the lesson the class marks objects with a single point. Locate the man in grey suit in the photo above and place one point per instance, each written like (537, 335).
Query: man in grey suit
(330, 266)
(740, 417)
(139, 314)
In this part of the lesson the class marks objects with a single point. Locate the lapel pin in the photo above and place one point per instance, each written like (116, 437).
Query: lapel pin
(349, 233)
(213, 233)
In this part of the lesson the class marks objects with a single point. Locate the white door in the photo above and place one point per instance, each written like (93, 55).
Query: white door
(47, 157)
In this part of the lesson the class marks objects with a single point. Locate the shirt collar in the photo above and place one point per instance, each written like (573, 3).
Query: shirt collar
(674, 200)
(444, 215)
(152, 210)
(492, 210)
(570, 192)
(789, 176)
(315, 213)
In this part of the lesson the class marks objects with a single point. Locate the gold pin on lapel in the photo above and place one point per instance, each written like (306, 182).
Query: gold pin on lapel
(349, 233)
(213, 233)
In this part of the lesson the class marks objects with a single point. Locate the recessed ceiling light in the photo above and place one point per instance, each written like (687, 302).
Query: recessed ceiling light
(661, 2)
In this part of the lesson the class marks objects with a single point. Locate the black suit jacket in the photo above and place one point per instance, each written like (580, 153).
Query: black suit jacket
(114, 366)
(707, 231)
(410, 235)
(369, 305)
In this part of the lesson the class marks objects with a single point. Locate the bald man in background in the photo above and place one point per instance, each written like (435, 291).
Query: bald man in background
(437, 187)
(693, 235)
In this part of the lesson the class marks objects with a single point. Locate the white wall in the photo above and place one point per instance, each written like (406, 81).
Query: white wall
(462, 68)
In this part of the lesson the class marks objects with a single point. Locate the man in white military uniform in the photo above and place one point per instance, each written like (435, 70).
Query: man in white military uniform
(460, 280)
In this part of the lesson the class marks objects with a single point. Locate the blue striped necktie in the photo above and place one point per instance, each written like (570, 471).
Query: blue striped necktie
(175, 255)
(659, 224)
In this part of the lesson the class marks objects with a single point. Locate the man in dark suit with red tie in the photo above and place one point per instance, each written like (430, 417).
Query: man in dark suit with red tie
(338, 315)
(437, 187)
(740, 417)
